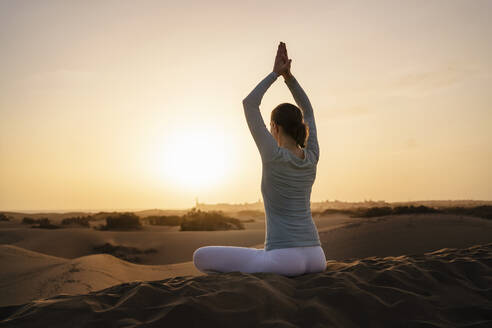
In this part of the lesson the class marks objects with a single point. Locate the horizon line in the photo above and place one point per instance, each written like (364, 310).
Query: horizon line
(231, 204)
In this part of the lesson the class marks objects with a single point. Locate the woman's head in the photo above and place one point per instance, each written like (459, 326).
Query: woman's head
(286, 119)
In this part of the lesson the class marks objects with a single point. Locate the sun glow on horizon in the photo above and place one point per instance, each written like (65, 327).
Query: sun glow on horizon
(194, 160)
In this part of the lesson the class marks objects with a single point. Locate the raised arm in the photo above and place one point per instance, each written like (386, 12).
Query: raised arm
(304, 104)
(264, 140)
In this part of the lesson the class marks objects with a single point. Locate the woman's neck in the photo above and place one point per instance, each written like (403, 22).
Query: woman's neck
(286, 142)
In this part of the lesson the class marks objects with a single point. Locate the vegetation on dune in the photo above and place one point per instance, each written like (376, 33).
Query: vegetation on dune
(387, 210)
(4, 217)
(122, 221)
(253, 213)
(167, 220)
(484, 211)
(198, 220)
(78, 220)
(42, 223)
(207, 221)
(126, 253)
(27, 220)
(46, 225)
(332, 211)
(194, 220)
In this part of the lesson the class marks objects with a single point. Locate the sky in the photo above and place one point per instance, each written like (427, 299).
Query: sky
(138, 104)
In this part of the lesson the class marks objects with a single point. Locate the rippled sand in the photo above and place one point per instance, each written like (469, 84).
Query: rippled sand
(448, 287)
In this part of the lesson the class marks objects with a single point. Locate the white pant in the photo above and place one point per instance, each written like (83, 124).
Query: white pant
(290, 261)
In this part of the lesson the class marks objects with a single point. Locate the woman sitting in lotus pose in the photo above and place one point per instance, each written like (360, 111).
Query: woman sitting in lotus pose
(289, 154)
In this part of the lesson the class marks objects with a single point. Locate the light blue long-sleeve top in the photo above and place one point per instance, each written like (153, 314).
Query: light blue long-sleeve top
(287, 180)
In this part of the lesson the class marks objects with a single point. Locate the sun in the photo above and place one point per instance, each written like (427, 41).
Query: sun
(194, 160)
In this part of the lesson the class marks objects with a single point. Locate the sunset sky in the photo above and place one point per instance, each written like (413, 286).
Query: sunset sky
(137, 104)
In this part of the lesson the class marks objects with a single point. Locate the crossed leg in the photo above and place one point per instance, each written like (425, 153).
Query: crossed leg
(215, 259)
(287, 261)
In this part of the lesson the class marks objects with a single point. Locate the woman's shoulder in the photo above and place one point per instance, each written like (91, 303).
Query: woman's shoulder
(286, 156)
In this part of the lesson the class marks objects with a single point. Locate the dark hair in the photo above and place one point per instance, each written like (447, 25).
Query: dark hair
(290, 117)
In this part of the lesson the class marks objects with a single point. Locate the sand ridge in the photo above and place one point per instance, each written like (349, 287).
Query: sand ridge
(29, 275)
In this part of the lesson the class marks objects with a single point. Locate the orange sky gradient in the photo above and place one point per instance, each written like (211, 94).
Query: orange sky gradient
(137, 104)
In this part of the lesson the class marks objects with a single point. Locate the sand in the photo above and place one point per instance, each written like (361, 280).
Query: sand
(417, 270)
(172, 245)
(449, 287)
(28, 275)
(403, 234)
(342, 237)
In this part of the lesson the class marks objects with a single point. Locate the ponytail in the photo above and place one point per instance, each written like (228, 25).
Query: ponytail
(301, 134)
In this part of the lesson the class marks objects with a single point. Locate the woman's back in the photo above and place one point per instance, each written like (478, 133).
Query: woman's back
(286, 188)
(287, 180)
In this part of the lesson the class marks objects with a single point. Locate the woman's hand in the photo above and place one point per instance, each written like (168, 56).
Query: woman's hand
(282, 61)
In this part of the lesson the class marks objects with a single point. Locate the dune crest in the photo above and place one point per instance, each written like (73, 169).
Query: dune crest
(448, 287)
(31, 275)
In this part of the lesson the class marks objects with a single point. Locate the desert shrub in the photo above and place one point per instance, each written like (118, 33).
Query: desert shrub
(101, 216)
(414, 209)
(167, 220)
(334, 211)
(4, 217)
(484, 211)
(207, 221)
(27, 220)
(122, 221)
(46, 225)
(253, 213)
(43, 223)
(123, 252)
(387, 210)
(78, 220)
(377, 211)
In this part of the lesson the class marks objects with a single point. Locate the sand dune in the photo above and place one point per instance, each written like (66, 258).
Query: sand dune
(403, 235)
(28, 275)
(172, 246)
(342, 237)
(449, 287)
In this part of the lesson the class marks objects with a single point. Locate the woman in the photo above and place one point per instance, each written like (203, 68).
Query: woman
(292, 245)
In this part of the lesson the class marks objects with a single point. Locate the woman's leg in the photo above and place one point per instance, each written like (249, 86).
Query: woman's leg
(285, 261)
(316, 259)
(291, 261)
(215, 259)
(294, 261)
